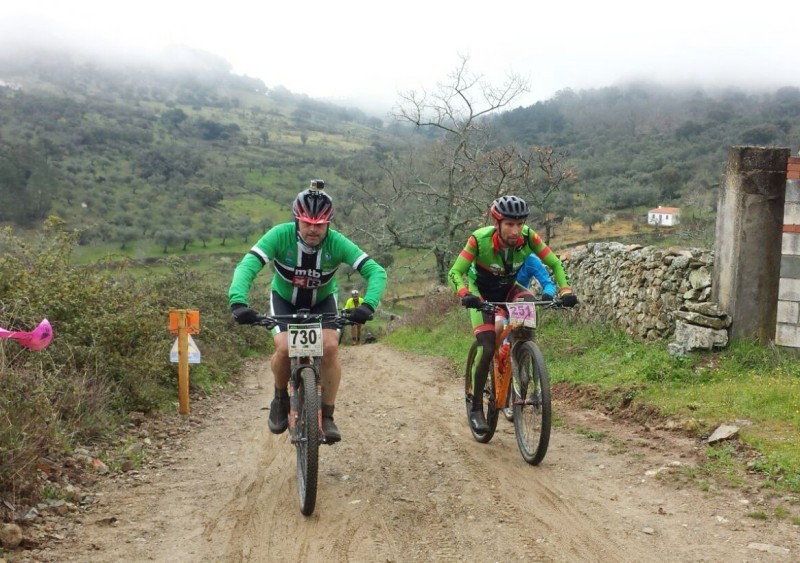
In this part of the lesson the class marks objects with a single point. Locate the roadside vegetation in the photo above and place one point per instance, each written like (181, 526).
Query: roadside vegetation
(754, 387)
(110, 353)
(109, 361)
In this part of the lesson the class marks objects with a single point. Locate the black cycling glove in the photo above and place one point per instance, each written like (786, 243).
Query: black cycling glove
(243, 314)
(361, 314)
(471, 301)
(569, 300)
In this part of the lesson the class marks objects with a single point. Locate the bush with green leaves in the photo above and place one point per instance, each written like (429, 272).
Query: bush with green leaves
(110, 351)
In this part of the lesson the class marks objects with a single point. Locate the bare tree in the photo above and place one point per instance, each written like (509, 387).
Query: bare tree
(543, 174)
(437, 190)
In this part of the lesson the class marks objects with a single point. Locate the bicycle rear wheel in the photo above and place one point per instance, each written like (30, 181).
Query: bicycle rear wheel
(307, 442)
(532, 408)
(489, 410)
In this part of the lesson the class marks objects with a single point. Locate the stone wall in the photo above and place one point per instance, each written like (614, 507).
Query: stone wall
(647, 291)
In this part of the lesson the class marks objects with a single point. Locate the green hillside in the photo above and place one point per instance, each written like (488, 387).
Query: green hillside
(172, 156)
(644, 144)
(184, 157)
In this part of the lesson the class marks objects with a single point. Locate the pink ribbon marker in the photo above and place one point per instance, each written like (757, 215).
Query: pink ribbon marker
(37, 339)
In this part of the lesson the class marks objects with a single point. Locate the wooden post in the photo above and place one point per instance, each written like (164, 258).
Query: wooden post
(182, 323)
(183, 363)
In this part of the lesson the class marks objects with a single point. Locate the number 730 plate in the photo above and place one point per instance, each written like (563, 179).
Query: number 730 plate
(305, 340)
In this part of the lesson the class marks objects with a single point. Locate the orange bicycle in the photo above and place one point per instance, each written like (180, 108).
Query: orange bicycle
(517, 379)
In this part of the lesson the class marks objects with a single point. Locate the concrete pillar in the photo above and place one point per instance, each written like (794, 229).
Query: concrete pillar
(749, 227)
(787, 331)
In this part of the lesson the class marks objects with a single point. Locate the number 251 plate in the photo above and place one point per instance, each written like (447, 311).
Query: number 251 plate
(305, 340)
(522, 314)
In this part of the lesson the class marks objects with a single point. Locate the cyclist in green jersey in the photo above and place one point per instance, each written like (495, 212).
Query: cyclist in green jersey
(498, 252)
(305, 255)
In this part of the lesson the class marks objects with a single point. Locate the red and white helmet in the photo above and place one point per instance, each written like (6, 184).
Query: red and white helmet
(313, 206)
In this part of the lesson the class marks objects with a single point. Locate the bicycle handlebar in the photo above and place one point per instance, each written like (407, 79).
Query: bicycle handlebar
(492, 306)
(271, 321)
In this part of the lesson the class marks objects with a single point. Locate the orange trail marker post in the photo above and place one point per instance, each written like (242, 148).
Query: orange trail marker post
(183, 323)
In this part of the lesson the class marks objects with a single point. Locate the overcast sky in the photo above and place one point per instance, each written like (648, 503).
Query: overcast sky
(363, 52)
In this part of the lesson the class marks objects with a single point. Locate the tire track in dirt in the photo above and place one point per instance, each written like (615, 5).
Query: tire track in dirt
(249, 505)
(409, 484)
(521, 502)
(458, 520)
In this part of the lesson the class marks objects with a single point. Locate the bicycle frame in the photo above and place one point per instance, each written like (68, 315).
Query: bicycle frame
(305, 394)
(502, 373)
(301, 362)
(502, 370)
(524, 372)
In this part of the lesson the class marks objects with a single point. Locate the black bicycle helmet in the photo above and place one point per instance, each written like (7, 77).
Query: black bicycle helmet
(313, 206)
(509, 207)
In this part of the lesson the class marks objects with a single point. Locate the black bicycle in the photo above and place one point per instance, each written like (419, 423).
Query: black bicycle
(517, 380)
(305, 393)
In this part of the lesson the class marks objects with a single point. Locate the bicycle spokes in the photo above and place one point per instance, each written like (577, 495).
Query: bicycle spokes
(529, 392)
(532, 412)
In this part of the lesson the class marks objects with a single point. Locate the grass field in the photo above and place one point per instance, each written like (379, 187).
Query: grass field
(754, 387)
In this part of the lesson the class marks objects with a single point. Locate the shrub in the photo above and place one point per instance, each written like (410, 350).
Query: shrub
(110, 352)
(431, 310)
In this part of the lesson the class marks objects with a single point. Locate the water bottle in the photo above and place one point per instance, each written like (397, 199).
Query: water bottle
(504, 356)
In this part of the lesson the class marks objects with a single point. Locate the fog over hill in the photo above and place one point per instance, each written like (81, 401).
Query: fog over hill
(324, 51)
(185, 124)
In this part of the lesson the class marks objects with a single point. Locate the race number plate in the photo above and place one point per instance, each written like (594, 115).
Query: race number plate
(522, 313)
(305, 340)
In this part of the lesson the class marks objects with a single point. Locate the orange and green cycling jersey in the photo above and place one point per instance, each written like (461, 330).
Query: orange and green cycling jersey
(305, 276)
(496, 268)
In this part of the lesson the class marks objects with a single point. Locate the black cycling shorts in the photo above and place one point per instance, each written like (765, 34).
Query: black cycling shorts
(279, 306)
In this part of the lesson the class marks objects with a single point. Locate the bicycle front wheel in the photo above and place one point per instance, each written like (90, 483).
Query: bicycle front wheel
(508, 412)
(489, 409)
(532, 408)
(307, 442)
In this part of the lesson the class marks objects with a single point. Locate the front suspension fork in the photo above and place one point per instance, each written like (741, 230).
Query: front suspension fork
(294, 404)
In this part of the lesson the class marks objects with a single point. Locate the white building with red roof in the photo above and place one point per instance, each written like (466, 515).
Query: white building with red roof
(664, 216)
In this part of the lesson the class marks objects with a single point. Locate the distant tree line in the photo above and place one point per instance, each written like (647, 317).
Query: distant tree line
(647, 144)
(168, 156)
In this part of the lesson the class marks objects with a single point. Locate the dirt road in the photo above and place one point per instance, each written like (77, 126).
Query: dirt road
(408, 483)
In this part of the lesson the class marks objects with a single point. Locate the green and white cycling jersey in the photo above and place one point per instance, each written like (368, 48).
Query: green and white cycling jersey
(304, 276)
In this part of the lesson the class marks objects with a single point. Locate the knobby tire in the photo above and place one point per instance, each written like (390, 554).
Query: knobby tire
(508, 412)
(532, 409)
(489, 410)
(308, 443)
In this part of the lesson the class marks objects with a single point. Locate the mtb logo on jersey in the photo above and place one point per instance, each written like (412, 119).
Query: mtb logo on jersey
(307, 278)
